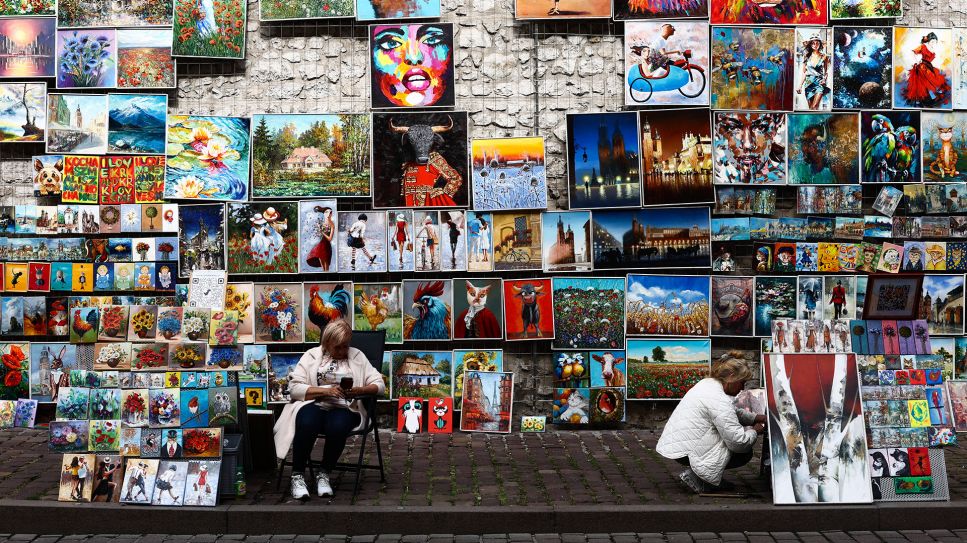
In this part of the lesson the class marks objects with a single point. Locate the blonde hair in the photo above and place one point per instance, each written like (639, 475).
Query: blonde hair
(731, 368)
(337, 332)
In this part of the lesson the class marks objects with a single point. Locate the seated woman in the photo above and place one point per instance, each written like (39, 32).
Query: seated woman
(320, 406)
(707, 433)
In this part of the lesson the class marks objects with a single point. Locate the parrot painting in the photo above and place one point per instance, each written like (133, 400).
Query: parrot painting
(879, 153)
(430, 318)
(906, 153)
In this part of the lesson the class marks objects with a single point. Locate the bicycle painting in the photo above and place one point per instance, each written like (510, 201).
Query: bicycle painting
(666, 63)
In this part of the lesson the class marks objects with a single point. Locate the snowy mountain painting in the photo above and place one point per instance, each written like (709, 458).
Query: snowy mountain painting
(136, 123)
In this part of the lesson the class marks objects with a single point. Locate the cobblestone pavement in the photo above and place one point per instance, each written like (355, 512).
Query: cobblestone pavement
(911, 536)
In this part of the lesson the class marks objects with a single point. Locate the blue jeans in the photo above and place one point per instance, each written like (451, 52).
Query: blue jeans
(334, 424)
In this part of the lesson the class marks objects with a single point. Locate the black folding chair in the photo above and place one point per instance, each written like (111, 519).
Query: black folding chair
(372, 344)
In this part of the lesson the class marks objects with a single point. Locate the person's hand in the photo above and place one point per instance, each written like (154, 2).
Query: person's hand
(334, 393)
(760, 419)
(759, 427)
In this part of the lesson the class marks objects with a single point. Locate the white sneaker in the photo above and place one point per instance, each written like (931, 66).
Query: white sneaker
(298, 487)
(323, 488)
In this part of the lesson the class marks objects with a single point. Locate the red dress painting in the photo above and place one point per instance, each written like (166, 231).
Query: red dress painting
(924, 82)
(419, 183)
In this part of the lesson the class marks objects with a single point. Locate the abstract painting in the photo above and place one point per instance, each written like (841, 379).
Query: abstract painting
(944, 146)
(411, 65)
(922, 68)
(775, 298)
(429, 310)
(208, 158)
(588, 312)
(749, 148)
(785, 12)
(23, 112)
(488, 402)
(77, 123)
(890, 144)
(528, 309)
(665, 369)
(676, 156)
(87, 59)
(602, 156)
(263, 237)
(666, 64)
(144, 59)
(732, 303)
(752, 68)
(136, 123)
(27, 46)
(659, 9)
(566, 241)
(209, 28)
(508, 173)
(823, 148)
(378, 306)
(863, 9)
(862, 60)
(667, 305)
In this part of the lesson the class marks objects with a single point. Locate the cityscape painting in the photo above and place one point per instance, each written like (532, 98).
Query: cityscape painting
(651, 238)
(602, 160)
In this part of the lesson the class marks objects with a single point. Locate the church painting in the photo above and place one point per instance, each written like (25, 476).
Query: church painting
(602, 160)
(676, 156)
(566, 241)
(201, 238)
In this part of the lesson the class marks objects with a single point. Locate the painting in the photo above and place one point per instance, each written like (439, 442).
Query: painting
(440, 411)
(942, 304)
(753, 68)
(420, 160)
(479, 241)
(76, 123)
(815, 412)
(453, 249)
(136, 123)
(471, 360)
(676, 156)
(324, 303)
(667, 305)
(370, 10)
(666, 237)
(944, 146)
(750, 148)
(891, 146)
(16, 371)
(280, 365)
(657, 9)
(202, 486)
(666, 64)
(138, 485)
(76, 478)
(263, 237)
(922, 68)
(775, 298)
(528, 309)
(202, 442)
(553, 10)
(290, 10)
(566, 241)
(361, 242)
(317, 232)
(839, 296)
(144, 59)
(508, 173)
(278, 313)
(409, 419)
(201, 238)
(170, 483)
(588, 312)
(208, 158)
(602, 160)
(823, 148)
(218, 31)
(426, 241)
(102, 13)
(401, 229)
(488, 402)
(516, 240)
(665, 369)
(87, 58)
(429, 310)
(785, 12)
(310, 155)
(378, 306)
(957, 397)
(423, 374)
(862, 64)
(478, 305)
(27, 47)
(23, 112)
(411, 65)
(732, 306)
(863, 9)
(813, 69)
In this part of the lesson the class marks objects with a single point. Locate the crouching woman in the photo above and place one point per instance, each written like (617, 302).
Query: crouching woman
(707, 433)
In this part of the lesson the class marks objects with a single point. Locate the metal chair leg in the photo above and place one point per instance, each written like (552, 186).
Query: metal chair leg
(359, 467)
(280, 469)
(379, 455)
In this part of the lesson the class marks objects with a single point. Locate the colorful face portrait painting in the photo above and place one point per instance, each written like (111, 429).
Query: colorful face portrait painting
(602, 156)
(328, 302)
(362, 242)
(890, 146)
(667, 305)
(815, 406)
(566, 241)
(310, 155)
(922, 68)
(263, 237)
(589, 313)
(144, 59)
(87, 58)
(201, 238)
(676, 156)
(944, 146)
(752, 68)
(554, 9)
(290, 10)
(429, 310)
(862, 60)
(731, 306)
(29, 45)
(667, 237)
(372, 10)
(665, 369)
(508, 173)
(423, 374)
(208, 158)
(24, 114)
(378, 306)
(864, 9)
(657, 9)
(528, 309)
(824, 148)
(814, 69)
(942, 304)
(666, 63)
(411, 65)
(206, 35)
(420, 160)
(69, 116)
(750, 148)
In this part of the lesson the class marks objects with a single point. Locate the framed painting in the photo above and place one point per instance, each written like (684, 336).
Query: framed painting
(667, 305)
(893, 297)
(508, 173)
(361, 242)
(263, 237)
(824, 148)
(325, 303)
(144, 59)
(429, 310)
(766, 55)
(278, 313)
(676, 156)
(375, 10)
(87, 58)
(880, 164)
(519, 245)
(317, 233)
(208, 158)
(310, 155)
(922, 68)
(209, 35)
(666, 237)
(588, 312)
(862, 64)
(411, 65)
(488, 402)
(77, 123)
(378, 306)
(478, 305)
(666, 63)
(602, 160)
(665, 369)
(763, 162)
(201, 238)
(566, 241)
(423, 374)
(24, 116)
(528, 309)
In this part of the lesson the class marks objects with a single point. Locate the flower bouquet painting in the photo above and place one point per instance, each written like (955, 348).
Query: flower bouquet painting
(228, 357)
(144, 319)
(134, 407)
(169, 324)
(72, 403)
(105, 404)
(149, 356)
(208, 158)
(195, 324)
(164, 408)
(279, 309)
(238, 298)
(202, 442)
(68, 436)
(187, 356)
(86, 58)
(209, 29)
(104, 435)
(114, 323)
(112, 356)
(16, 369)
(224, 328)
(25, 413)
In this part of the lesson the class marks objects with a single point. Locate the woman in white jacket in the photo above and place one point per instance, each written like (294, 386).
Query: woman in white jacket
(320, 405)
(707, 433)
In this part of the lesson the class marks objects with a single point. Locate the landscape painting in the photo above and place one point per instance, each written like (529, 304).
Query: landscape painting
(862, 60)
(87, 59)
(208, 158)
(752, 68)
(77, 123)
(27, 47)
(508, 173)
(23, 112)
(942, 304)
(566, 241)
(666, 237)
(292, 10)
(667, 305)
(676, 156)
(552, 10)
(104, 13)
(488, 402)
(214, 32)
(136, 123)
(310, 155)
(864, 9)
(424, 374)
(665, 369)
(144, 59)
(602, 160)
(588, 312)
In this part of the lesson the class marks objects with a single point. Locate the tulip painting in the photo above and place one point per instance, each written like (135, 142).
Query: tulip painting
(86, 58)
(208, 158)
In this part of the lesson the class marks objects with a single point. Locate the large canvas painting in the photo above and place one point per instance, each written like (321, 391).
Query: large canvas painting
(862, 60)
(263, 237)
(863, 9)
(553, 9)
(659, 9)
(676, 156)
(27, 46)
(310, 155)
(528, 309)
(508, 173)
(208, 158)
(817, 433)
(922, 68)
(23, 112)
(77, 123)
(420, 160)
(666, 63)
(752, 68)
(667, 305)
(589, 312)
(292, 10)
(665, 237)
(890, 144)
(144, 59)
(201, 238)
(325, 303)
(602, 160)
(665, 369)
(784, 12)
(429, 310)
(750, 148)
(209, 29)
(103, 13)
(478, 306)
(411, 65)
(824, 148)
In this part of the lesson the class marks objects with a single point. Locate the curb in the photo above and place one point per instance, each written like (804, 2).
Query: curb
(36, 517)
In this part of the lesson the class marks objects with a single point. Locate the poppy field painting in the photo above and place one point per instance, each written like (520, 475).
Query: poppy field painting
(209, 29)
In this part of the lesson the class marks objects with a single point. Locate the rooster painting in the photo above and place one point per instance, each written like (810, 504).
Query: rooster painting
(324, 307)
(430, 318)
(373, 309)
(84, 321)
